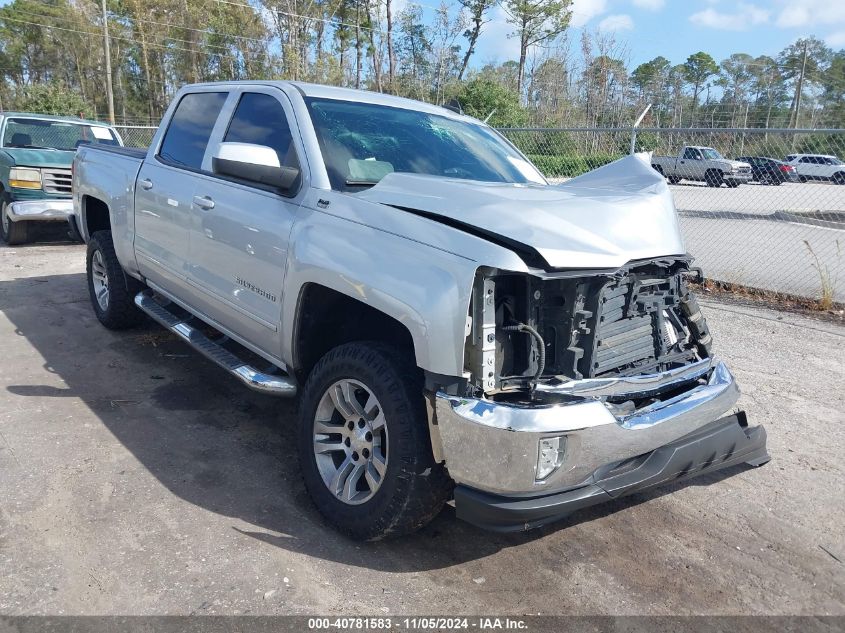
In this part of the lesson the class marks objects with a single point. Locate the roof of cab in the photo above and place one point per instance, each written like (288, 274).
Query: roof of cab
(51, 117)
(348, 94)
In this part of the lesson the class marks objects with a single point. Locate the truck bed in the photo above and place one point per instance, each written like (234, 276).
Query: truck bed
(134, 152)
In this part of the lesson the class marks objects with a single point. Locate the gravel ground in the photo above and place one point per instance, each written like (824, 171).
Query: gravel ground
(137, 478)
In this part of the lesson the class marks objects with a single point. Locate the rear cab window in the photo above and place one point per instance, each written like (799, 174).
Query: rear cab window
(190, 128)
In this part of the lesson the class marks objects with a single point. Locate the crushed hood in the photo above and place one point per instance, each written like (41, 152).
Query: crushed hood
(602, 219)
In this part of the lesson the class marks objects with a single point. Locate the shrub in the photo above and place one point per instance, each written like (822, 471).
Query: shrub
(570, 166)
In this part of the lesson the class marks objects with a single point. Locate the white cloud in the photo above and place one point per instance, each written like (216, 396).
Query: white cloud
(836, 40)
(649, 5)
(494, 43)
(619, 22)
(745, 16)
(585, 10)
(804, 13)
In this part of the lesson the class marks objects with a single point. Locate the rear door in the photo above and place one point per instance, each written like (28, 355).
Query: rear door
(164, 190)
(240, 230)
(810, 166)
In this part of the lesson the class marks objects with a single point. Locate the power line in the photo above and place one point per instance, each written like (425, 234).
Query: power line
(118, 37)
(121, 18)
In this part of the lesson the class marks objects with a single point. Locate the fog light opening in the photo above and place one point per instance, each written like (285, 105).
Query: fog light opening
(550, 455)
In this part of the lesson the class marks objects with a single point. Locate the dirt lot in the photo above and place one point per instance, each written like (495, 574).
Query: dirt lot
(138, 479)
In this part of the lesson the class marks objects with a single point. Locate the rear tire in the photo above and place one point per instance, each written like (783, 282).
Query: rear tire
(733, 184)
(364, 446)
(802, 179)
(713, 178)
(13, 233)
(839, 178)
(674, 180)
(111, 290)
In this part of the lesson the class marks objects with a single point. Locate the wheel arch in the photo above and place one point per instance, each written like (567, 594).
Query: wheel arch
(326, 318)
(95, 216)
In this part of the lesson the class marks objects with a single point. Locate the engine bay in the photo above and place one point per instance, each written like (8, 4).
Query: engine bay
(527, 329)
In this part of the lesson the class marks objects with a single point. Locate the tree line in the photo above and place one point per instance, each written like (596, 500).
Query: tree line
(52, 60)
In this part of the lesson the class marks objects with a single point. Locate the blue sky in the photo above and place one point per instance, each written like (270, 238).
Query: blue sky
(673, 28)
(677, 28)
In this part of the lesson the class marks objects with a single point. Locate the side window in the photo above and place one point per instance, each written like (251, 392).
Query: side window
(260, 119)
(690, 153)
(190, 128)
(805, 160)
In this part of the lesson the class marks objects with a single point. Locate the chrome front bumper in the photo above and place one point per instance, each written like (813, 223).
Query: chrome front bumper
(40, 210)
(738, 176)
(493, 446)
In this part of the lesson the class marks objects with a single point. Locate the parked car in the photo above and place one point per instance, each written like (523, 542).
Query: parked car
(36, 152)
(455, 326)
(770, 171)
(702, 164)
(818, 167)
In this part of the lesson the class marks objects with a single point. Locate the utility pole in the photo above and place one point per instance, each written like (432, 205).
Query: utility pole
(107, 53)
(799, 88)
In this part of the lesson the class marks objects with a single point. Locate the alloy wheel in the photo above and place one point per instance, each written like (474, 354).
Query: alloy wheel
(350, 441)
(100, 280)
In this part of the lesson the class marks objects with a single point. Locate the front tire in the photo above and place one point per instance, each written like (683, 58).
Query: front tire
(713, 178)
(364, 447)
(112, 292)
(13, 233)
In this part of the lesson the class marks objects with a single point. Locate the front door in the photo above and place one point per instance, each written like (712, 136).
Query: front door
(240, 230)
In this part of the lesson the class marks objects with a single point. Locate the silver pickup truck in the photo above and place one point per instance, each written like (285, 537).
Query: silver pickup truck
(703, 164)
(455, 327)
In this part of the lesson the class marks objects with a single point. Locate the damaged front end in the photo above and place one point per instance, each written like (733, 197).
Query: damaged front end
(582, 386)
(538, 331)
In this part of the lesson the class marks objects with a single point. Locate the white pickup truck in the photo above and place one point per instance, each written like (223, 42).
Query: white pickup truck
(455, 327)
(703, 164)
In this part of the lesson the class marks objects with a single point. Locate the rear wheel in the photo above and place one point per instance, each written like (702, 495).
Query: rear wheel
(112, 292)
(713, 178)
(674, 180)
(13, 233)
(733, 184)
(839, 178)
(802, 179)
(364, 447)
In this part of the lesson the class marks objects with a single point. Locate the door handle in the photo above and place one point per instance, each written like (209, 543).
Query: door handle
(204, 202)
(146, 184)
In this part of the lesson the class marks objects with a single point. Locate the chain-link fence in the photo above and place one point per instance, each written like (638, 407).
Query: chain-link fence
(767, 224)
(136, 135)
(775, 222)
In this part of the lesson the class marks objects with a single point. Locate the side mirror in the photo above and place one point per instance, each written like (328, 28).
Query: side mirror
(255, 163)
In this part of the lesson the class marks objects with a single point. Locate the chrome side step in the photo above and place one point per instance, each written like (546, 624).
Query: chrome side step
(283, 386)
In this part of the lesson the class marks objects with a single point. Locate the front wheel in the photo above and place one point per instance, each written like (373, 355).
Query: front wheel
(713, 178)
(112, 292)
(13, 233)
(364, 446)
